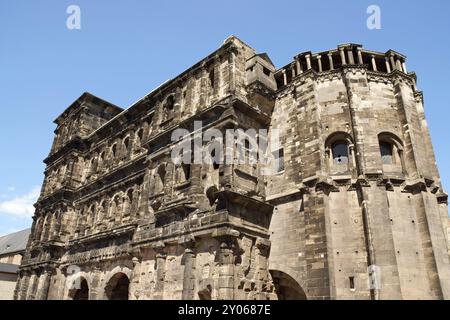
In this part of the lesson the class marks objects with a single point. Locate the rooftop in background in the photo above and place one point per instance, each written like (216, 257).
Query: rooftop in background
(14, 242)
(8, 268)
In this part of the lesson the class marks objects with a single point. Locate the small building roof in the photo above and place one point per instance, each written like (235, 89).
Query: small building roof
(14, 242)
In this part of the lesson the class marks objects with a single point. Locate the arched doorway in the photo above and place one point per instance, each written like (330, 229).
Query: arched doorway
(286, 287)
(81, 293)
(117, 287)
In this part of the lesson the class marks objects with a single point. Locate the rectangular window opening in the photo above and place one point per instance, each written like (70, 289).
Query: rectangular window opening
(279, 159)
(352, 283)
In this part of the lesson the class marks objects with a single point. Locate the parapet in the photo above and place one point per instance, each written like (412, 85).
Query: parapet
(335, 59)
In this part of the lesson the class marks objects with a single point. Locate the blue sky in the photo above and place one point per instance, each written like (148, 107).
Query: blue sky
(126, 48)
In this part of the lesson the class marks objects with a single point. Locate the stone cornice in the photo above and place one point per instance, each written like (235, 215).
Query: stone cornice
(76, 144)
(64, 195)
(105, 234)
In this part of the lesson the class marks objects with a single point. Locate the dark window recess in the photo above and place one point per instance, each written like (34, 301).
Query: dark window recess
(187, 171)
(266, 71)
(170, 102)
(114, 150)
(215, 161)
(386, 153)
(126, 143)
(279, 159)
(340, 153)
(140, 134)
(211, 78)
(352, 282)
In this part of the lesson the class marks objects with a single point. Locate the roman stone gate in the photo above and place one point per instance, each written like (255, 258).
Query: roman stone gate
(349, 204)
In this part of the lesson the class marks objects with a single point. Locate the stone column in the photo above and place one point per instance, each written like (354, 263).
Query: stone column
(231, 70)
(319, 61)
(189, 274)
(388, 66)
(342, 53)
(203, 86)
(374, 63)
(308, 61)
(31, 291)
(261, 275)
(22, 294)
(330, 59)
(404, 67)
(299, 67)
(351, 59)
(19, 283)
(226, 269)
(135, 279)
(96, 289)
(392, 60)
(44, 285)
(160, 275)
(399, 64)
(360, 58)
(284, 77)
(17, 287)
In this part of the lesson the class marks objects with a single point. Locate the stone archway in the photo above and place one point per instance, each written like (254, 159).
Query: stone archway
(118, 287)
(81, 293)
(286, 287)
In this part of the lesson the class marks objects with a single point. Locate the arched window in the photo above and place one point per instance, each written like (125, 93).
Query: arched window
(170, 102)
(212, 78)
(168, 107)
(160, 176)
(113, 209)
(186, 170)
(117, 287)
(130, 195)
(114, 150)
(101, 161)
(140, 135)
(80, 293)
(101, 212)
(339, 150)
(391, 152)
(126, 143)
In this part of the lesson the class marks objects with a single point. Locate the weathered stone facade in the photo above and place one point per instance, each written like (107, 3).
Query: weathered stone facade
(356, 212)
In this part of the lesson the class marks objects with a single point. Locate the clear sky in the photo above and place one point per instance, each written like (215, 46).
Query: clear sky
(124, 49)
